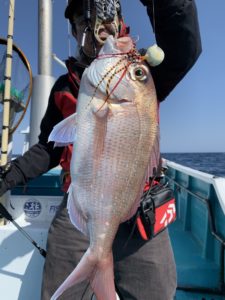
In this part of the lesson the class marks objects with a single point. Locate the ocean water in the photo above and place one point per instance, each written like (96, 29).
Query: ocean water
(212, 163)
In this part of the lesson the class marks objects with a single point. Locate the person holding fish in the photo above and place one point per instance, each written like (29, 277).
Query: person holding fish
(115, 91)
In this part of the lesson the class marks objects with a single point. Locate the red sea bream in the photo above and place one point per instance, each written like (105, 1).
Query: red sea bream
(115, 136)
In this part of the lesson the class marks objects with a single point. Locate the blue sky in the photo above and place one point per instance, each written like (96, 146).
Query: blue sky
(192, 117)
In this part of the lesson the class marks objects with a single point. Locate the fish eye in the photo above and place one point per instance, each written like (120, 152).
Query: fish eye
(139, 73)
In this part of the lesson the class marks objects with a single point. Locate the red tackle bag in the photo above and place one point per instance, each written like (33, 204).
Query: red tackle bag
(156, 211)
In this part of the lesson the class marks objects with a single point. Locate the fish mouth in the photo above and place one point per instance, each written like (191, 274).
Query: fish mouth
(104, 31)
(103, 34)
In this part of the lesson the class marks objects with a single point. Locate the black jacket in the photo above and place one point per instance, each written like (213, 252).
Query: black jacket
(177, 33)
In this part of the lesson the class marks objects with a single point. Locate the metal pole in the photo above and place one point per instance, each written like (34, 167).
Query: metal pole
(42, 83)
(59, 61)
(45, 37)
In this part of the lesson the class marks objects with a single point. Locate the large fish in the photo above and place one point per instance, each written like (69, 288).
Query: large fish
(115, 149)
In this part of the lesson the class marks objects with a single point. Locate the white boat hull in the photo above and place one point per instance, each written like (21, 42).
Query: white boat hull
(21, 264)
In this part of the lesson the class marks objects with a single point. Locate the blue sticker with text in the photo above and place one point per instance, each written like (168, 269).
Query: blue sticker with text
(32, 208)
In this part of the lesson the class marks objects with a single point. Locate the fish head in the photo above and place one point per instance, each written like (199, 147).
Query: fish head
(119, 75)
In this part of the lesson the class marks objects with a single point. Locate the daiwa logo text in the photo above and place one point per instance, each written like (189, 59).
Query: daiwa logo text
(169, 215)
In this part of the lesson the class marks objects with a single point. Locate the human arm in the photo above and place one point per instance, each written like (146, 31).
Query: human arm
(39, 158)
(177, 33)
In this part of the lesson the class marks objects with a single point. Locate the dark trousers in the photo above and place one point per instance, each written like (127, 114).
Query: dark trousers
(143, 270)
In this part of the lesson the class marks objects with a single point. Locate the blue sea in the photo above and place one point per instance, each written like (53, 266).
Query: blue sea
(212, 163)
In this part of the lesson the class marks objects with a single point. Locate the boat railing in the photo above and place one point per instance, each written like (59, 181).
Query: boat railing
(200, 214)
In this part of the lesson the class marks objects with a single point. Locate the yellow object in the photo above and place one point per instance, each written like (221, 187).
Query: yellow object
(154, 55)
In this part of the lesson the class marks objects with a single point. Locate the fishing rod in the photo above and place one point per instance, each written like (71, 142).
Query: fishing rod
(15, 92)
(7, 97)
(4, 212)
(7, 89)
(14, 97)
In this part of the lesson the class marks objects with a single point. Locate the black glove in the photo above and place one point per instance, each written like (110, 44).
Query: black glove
(3, 182)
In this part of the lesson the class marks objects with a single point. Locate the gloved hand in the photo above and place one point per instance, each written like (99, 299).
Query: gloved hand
(3, 182)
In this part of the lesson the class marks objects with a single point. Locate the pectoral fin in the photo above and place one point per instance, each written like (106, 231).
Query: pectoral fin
(64, 133)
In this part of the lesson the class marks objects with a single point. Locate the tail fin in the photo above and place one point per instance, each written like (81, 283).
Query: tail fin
(99, 272)
(102, 280)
